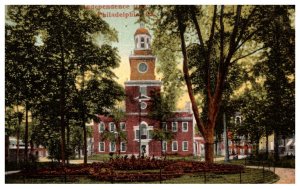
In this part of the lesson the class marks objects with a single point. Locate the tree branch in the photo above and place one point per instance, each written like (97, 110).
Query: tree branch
(246, 55)
(246, 23)
(233, 44)
(212, 30)
(221, 61)
(204, 52)
(181, 29)
(247, 38)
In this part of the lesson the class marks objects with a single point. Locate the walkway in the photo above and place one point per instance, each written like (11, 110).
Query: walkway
(287, 175)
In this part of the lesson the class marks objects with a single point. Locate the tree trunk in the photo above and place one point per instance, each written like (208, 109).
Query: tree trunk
(84, 143)
(26, 133)
(62, 93)
(209, 146)
(267, 145)
(18, 144)
(68, 140)
(83, 114)
(18, 135)
(276, 145)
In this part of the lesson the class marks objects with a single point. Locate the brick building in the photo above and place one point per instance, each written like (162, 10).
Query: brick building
(142, 82)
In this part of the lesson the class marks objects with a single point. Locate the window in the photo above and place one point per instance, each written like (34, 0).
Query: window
(150, 132)
(185, 127)
(143, 131)
(123, 126)
(101, 146)
(185, 146)
(143, 90)
(148, 42)
(101, 127)
(174, 126)
(143, 105)
(143, 67)
(112, 147)
(174, 146)
(142, 42)
(112, 127)
(137, 134)
(164, 126)
(164, 146)
(123, 147)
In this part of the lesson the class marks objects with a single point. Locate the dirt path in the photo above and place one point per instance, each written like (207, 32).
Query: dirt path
(287, 175)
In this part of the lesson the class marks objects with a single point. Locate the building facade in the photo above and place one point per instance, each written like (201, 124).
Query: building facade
(137, 123)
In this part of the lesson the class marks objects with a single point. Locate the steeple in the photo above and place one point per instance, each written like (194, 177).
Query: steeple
(142, 62)
(142, 39)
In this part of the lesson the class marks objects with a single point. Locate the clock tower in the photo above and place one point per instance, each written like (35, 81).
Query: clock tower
(142, 73)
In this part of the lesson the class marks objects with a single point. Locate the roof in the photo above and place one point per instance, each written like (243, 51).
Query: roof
(142, 31)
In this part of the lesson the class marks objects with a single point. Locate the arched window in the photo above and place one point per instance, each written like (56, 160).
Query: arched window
(142, 42)
(143, 131)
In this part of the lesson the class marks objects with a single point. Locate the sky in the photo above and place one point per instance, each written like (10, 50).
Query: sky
(123, 20)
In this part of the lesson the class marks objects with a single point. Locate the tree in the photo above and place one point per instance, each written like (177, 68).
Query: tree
(118, 135)
(23, 77)
(161, 110)
(230, 28)
(66, 35)
(279, 70)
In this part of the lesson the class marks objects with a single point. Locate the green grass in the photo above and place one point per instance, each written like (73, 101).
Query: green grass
(250, 176)
(99, 157)
(283, 163)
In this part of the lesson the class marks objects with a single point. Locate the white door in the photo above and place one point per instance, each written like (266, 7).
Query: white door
(145, 149)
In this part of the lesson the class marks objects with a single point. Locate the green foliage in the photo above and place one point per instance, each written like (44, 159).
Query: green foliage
(49, 51)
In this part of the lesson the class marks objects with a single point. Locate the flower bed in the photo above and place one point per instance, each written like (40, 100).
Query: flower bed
(136, 170)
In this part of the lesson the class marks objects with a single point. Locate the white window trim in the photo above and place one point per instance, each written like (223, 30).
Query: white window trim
(111, 147)
(110, 126)
(187, 145)
(176, 126)
(187, 126)
(100, 127)
(124, 125)
(173, 146)
(121, 146)
(103, 146)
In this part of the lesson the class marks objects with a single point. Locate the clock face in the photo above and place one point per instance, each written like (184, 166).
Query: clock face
(143, 67)
(143, 105)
